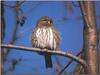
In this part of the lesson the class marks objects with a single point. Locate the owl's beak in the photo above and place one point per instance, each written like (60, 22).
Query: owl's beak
(48, 22)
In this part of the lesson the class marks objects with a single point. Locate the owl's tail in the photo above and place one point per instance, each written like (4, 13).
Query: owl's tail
(48, 61)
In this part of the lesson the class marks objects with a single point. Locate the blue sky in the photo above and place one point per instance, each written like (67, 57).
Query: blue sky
(71, 31)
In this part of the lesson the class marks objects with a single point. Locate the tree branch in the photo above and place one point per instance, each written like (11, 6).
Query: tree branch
(14, 34)
(58, 52)
(60, 66)
(68, 63)
(13, 6)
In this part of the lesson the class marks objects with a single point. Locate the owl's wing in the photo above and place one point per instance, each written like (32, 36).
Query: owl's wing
(56, 36)
(34, 38)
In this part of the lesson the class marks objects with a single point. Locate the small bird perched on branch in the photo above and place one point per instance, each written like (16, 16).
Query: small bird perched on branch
(45, 36)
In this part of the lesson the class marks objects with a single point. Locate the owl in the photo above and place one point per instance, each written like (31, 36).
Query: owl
(45, 36)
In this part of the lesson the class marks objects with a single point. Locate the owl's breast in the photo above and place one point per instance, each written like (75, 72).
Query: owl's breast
(44, 38)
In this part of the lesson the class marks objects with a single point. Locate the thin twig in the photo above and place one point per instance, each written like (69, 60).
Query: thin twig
(33, 8)
(82, 6)
(75, 5)
(13, 6)
(59, 64)
(68, 63)
(57, 52)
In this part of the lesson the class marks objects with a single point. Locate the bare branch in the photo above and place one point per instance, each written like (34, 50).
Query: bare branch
(14, 36)
(2, 33)
(57, 52)
(60, 66)
(85, 18)
(68, 63)
(13, 6)
(68, 6)
(75, 5)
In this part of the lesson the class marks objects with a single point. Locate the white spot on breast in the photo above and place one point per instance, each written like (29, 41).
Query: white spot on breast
(54, 44)
(51, 37)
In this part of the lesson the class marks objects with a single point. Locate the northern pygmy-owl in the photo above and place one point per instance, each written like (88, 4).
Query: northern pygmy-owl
(45, 36)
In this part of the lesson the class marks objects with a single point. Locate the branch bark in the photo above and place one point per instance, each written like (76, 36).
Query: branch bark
(14, 34)
(90, 36)
(2, 33)
(58, 52)
(68, 63)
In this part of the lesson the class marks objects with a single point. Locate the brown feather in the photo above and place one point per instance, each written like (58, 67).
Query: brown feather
(45, 36)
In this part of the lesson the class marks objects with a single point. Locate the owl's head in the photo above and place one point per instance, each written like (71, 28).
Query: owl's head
(45, 21)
